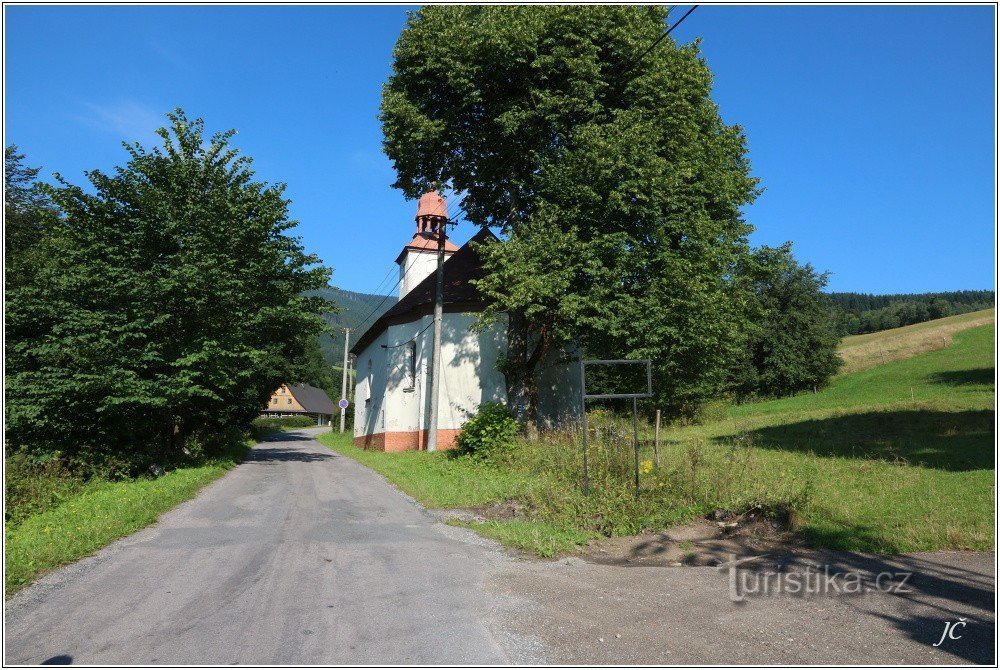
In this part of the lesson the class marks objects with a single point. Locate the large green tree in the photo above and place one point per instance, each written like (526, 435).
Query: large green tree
(168, 302)
(792, 339)
(607, 168)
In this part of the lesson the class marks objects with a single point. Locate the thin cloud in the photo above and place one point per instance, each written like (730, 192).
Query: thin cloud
(128, 119)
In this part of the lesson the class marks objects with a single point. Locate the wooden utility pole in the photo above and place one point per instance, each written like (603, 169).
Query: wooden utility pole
(432, 423)
(343, 381)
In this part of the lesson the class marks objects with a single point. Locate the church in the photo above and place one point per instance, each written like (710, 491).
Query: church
(393, 357)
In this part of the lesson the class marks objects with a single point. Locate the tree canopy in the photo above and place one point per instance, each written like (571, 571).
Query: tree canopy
(606, 166)
(792, 339)
(167, 303)
(26, 208)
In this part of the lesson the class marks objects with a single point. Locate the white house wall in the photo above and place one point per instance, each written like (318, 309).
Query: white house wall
(394, 417)
(369, 389)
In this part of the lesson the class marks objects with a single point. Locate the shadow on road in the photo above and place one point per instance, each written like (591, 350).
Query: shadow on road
(61, 659)
(286, 437)
(278, 454)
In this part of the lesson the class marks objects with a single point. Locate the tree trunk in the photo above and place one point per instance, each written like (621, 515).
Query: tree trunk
(520, 367)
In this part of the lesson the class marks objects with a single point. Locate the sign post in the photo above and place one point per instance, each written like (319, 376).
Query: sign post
(584, 397)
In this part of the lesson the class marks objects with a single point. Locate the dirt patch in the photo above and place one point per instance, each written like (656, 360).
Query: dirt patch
(501, 511)
(710, 542)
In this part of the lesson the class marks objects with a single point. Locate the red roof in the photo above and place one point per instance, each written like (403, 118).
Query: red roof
(427, 243)
(432, 203)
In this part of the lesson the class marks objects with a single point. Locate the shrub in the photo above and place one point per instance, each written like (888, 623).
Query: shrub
(489, 433)
(283, 422)
(33, 487)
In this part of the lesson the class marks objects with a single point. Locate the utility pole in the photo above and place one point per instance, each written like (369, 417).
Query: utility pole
(432, 427)
(343, 381)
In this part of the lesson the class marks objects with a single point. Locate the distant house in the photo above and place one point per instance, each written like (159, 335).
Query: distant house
(300, 400)
(391, 398)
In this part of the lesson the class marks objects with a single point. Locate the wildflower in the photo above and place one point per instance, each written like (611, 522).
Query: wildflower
(646, 467)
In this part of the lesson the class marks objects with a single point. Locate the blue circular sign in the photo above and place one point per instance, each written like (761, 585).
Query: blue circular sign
(343, 403)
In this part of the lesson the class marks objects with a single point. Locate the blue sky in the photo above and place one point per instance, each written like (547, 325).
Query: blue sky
(871, 128)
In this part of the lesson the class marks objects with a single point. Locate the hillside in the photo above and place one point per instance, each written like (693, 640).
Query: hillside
(858, 313)
(355, 307)
(896, 457)
(860, 352)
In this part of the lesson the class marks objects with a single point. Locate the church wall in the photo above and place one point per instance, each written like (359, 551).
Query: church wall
(415, 267)
(559, 382)
(369, 390)
(392, 398)
(469, 377)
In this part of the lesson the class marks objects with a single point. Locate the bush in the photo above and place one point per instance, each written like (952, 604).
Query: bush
(489, 433)
(283, 422)
(33, 487)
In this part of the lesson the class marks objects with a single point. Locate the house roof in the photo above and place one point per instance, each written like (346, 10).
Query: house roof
(460, 269)
(312, 399)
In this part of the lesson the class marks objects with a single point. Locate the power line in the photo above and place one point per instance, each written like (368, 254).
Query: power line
(384, 280)
(361, 327)
(412, 339)
(402, 276)
(659, 39)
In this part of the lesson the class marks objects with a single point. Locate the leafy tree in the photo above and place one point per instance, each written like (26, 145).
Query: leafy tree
(26, 208)
(311, 368)
(607, 168)
(792, 345)
(168, 304)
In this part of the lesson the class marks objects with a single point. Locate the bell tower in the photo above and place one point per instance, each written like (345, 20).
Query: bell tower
(419, 258)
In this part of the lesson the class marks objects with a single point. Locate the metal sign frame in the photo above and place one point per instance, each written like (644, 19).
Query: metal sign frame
(584, 397)
(617, 361)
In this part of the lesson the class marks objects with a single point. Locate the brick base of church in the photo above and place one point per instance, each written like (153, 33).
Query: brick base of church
(414, 440)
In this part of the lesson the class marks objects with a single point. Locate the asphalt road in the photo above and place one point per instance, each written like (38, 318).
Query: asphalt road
(301, 556)
(298, 556)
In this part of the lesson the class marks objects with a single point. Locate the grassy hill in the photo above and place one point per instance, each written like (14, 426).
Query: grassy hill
(897, 457)
(861, 352)
(355, 307)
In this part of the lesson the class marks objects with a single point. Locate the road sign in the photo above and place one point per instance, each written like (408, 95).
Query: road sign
(343, 403)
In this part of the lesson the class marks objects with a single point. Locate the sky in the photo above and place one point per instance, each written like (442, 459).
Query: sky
(872, 129)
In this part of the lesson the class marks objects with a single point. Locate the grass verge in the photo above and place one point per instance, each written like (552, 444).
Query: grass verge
(96, 515)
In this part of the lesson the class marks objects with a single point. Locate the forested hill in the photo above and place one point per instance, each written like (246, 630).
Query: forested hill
(858, 313)
(354, 308)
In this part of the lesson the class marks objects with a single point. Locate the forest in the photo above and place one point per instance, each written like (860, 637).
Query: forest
(859, 313)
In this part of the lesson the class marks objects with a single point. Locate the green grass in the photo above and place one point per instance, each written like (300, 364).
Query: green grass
(436, 480)
(891, 459)
(442, 481)
(95, 516)
(536, 537)
(899, 457)
(860, 352)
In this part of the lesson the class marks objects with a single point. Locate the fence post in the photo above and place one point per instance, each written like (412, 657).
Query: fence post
(656, 441)
(635, 440)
